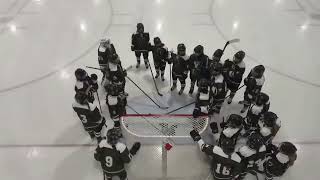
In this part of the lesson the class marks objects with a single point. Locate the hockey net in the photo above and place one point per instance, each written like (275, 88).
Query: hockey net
(183, 161)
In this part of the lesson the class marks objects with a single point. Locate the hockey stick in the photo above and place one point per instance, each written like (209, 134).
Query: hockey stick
(146, 93)
(194, 102)
(170, 74)
(99, 102)
(230, 42)
(155, 84)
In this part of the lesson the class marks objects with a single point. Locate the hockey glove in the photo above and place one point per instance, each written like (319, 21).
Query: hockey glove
(195, 135)
(132, 48)
(135, 148)
(214, 127)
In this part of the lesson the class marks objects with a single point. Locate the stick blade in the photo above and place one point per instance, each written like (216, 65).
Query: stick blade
(234, 41)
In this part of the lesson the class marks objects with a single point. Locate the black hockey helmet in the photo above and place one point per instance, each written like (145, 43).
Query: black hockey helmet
(112, 136)
(255, 141)
(262, 99)
(258, 71)
(287, 148)
(94, 78)
(80, 74)
(227, 145)
(234, 121)
(269, 119)
(216, 69)
(157, 41)
(105, 41)
(140, 28)
(181, 49)
(217, 54)
(198, 50)
(81, 98)
(239, 56)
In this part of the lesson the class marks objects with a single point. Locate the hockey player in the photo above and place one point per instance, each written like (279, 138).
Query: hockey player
(140, 45)
(105, 52)
(116, 102)
(218, 89)
(203, 99)
(84, 84)
(180, 67)
(233, 72)
(225, 163)
(216, 57)
(256, 110)
(199, 64)
(89, 115)
(254, 83)
(113, 155)
(253, 154)
(115, 74)
(160, 57)
(269, 125)
(279, 160)
(231, 129)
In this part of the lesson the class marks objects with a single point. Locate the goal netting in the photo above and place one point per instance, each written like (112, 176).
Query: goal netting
(183, 161)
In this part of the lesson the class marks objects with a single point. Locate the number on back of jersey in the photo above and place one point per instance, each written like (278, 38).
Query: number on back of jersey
(109, 161)
(222, 170)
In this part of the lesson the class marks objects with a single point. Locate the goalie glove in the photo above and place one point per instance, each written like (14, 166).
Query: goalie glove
(135, 148)
(195, 135)
(214, 127)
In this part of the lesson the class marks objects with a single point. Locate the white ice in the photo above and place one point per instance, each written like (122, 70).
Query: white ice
(43, 41)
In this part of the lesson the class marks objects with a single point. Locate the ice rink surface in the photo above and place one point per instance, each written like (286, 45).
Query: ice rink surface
(42, 42)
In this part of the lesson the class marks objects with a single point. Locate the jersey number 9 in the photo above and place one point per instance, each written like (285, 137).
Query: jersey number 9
(109, 161)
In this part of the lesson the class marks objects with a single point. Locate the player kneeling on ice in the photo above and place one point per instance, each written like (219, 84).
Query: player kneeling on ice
(253, 155)
(116, 101)
(89, 115)
(225, 163)
(113, 155)
(160, 57)
(233, 72)
(202, 99)
(231, 129)
(279, 160)
(218, 88)
(269, 125)
(254, 83)
(85, 84)
(256, 110)
(180, 67)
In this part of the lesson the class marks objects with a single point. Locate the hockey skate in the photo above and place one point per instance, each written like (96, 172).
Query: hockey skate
(138, 65)
(162, 77)
(181, 91)
(191, 90)
(174, 86)
(146, 63)
(229, 100)
(157, 75)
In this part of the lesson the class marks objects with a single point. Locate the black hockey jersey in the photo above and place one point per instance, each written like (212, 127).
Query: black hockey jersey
(224, 166)
(276, 164)
(218, 87)
(180, 64)
(112, 157)
(89, 114)
(253, 160)
(254, 114)
(232, 72)
(140, 41)
(160, 53)
(200, 66)
(104, 54)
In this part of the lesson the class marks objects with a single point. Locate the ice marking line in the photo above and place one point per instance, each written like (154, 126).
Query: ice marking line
(35, 80)
(255, 59)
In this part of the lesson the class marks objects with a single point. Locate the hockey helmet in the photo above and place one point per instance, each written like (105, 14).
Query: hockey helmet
(94, 78)
(157, 41)
(255, 141)
(262, 99)
(80, 74)
(113, 136)
(198, 50)
(239, 56)
(227, 145)
(216, 69)
(181, 49)
(269, 119)
(287, 148)
(81, 98)
(105, 41)
(258, 71)
(235, 121)
(217, 54)
(140, 28)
